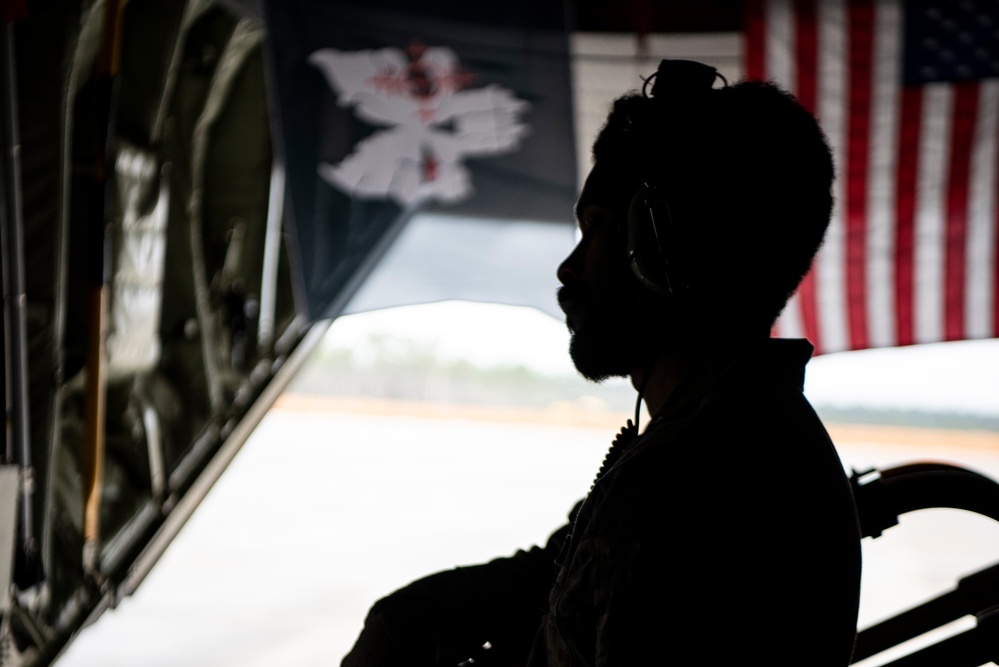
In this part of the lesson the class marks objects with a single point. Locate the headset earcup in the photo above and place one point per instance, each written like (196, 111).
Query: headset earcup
(647, 262)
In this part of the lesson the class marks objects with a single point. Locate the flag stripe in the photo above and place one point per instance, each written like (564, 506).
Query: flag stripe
(832, 113)
(912, 248)
(995, 266)
(755, 36)
(780, 43)
(860, 50)
(931, 192)
(790, 324)
(962, 132)
(756, 69)
(982, 214)
(881, 174)
(806, 53)
(779, 51)
(995, 255)
(905, 222)
(805, 88)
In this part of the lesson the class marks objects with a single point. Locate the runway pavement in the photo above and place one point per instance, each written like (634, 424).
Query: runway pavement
(324, 511)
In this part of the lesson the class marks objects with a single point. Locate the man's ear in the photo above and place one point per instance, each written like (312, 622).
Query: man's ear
(655, 248)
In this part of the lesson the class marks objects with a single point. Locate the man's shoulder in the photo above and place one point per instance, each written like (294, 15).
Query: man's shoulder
(741, 433)
(740, 405)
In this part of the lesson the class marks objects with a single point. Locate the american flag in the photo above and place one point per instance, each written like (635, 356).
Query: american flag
(908, 95)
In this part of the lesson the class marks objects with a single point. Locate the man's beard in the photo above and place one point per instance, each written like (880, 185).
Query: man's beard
(618, 330)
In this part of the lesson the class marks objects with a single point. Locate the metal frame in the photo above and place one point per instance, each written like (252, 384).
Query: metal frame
(881, 498)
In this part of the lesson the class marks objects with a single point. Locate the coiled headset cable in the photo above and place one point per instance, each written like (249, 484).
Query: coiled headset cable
(628, 434)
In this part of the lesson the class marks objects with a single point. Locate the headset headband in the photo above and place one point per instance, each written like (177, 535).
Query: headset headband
(681, 75)
(654, 239)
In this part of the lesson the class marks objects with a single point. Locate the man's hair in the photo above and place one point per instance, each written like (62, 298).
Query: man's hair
(747, 174)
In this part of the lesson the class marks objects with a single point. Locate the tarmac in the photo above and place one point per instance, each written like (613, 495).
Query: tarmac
(333, 503)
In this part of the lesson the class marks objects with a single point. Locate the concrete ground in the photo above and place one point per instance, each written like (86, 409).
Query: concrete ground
(324, 511)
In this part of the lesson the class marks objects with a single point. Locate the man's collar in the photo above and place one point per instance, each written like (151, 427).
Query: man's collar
(782, 359)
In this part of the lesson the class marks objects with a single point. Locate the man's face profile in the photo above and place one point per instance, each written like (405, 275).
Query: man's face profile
(616, 324)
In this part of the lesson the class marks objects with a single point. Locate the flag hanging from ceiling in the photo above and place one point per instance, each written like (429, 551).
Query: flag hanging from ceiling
(908, 95)
(392, 107)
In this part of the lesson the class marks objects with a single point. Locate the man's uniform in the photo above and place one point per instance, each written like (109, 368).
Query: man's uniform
(726, 531)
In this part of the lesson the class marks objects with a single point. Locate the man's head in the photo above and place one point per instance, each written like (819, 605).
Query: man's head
(746, 176)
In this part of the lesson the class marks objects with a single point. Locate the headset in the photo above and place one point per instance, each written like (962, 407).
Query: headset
(653, 241)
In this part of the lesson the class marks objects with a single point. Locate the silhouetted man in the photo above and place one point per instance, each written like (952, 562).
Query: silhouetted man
(725, 533)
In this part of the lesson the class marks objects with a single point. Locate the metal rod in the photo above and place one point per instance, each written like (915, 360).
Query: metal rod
(98, 290)
(15, 300)
(245, 38)
(154, 442)
(89, 601)
(94, 419)
(54, 438)
(210, 473)
(272, 253)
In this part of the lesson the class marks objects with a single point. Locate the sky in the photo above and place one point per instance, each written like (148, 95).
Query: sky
(960, 377)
